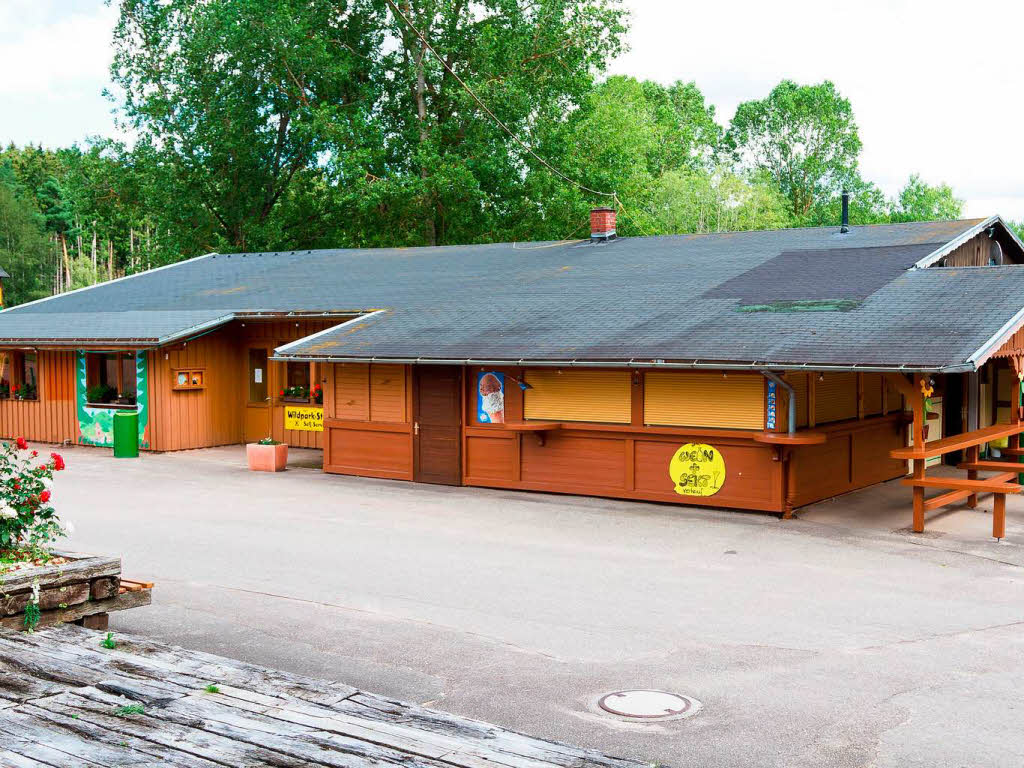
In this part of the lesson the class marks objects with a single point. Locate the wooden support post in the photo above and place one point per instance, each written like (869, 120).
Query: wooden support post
(999, 516)
(918, 497)
(972, 474)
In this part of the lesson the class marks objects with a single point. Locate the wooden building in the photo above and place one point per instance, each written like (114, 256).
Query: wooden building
(757, 370)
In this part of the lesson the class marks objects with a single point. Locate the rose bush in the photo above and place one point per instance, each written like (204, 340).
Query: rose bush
(27, 519)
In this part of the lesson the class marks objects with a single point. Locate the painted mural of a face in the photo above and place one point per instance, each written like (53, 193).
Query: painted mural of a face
(492, 398)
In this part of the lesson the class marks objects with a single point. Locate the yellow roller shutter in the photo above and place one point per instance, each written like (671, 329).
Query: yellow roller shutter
(835, 397)
(684, 399)
(578, 395)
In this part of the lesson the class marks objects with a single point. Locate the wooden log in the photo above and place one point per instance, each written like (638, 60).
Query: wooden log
(84, 568)
(104, 587)
(50, 598)
(76, 612)
(98, 621)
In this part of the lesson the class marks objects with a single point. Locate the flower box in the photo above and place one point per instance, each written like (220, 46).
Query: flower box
(293, 399)
(76, 588)
(267, 458)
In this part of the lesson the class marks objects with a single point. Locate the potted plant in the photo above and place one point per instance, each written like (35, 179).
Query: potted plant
(100, 394)
(267, 455)
(297, 394)
(318, 395)
(26, 392)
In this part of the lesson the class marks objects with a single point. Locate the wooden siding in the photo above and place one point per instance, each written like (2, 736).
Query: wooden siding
(215, 415)
(976, 252)
(53, 418)
(678, 398)
(872, 393)
(801, 388)
(578, 395)
(368, 420)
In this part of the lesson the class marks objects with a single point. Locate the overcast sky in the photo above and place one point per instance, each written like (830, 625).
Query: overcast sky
(935, 85)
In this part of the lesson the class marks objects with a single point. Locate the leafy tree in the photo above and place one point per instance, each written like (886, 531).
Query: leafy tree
(918, 201)
(804, 136)
(231, 100)
(24, 250)
(867, 205)
(721, 201)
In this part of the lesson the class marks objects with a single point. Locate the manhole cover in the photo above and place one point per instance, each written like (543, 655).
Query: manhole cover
(648, 705)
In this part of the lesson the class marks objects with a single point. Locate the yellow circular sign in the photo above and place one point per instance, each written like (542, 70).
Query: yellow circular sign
(697, 469)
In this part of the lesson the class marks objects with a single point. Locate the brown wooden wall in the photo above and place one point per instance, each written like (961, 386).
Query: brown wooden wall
(975, 252)
(53, 418)
(368, 420)
(182, 419)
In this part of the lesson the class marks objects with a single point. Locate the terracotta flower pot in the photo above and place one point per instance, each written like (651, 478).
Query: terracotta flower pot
(267, 458)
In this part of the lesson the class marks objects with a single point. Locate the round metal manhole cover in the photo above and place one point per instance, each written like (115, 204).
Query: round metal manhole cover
(648, 705)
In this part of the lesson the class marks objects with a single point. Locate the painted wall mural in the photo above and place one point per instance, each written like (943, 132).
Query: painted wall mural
(697, 469)
(96, 425)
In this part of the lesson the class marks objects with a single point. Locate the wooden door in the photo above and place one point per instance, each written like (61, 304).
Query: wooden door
(257, 394)
(437, 427)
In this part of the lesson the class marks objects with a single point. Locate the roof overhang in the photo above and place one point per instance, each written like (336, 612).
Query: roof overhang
(946, 248)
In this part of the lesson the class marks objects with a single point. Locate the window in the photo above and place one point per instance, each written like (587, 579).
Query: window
(19, 376)
(578, 395)
(257, 375)
(302, 383)
(110, 378)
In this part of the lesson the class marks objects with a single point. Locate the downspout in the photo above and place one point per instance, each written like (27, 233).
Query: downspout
(791, 411)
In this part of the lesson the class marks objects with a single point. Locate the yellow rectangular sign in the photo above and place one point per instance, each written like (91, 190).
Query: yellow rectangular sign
(304, 417)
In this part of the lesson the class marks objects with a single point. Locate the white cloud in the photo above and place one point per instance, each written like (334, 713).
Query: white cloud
(55, 56)
(933, 85)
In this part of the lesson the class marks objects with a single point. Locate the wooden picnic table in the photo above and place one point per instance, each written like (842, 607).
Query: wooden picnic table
(67, 701)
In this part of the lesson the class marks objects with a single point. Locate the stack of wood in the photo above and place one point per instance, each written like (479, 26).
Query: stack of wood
(79, 588)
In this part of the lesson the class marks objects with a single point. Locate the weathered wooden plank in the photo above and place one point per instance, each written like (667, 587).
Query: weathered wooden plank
(82, 568)
(89, 735)
(76, 612)
(49, 598)
(258, 717)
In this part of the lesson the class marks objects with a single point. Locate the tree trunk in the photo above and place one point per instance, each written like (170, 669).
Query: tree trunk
(421, 114)
(110, 259)
(67, 260)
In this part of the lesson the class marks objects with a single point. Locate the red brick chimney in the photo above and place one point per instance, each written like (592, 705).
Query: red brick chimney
(602, 224)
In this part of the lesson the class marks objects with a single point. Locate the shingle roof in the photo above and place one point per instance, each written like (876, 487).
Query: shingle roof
(674, 298)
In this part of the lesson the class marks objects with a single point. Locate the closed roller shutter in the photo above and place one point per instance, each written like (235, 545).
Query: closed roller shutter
(835, 398)
(800, 386)
(575, 395)
(873, 385)
(682, 399)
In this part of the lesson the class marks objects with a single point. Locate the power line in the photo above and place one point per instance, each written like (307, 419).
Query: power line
(494, 117)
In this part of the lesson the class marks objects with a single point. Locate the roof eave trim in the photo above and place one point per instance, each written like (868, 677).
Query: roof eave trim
(754, 365)
(962, 238)
(990, 347)
(306, 339)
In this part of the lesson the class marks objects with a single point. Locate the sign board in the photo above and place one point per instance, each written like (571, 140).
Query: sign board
(306, 418)
(490, 397)
(771, 405)
(697, 469)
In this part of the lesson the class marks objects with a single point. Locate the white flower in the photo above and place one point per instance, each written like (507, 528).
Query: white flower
(7, 511)
(35, 592)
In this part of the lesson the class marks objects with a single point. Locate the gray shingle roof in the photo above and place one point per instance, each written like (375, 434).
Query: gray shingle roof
(672, 298)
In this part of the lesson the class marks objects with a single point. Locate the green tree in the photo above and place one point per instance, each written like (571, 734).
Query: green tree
(232, 100)
(721, 201)
(24, 249)
(804, 136)
(918, 201)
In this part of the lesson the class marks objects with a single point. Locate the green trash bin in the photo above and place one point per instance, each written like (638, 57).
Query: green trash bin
(126, 435)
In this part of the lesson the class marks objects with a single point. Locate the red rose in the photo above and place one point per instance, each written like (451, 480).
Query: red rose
(17, 486)
(34, 454)
(21, 443)
(44, 496)
(58, 462)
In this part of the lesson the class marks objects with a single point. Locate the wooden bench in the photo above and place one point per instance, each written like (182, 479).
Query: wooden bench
(959, 489)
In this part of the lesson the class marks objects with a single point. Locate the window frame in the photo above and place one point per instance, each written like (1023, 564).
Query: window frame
(95, 374)
(17, 358)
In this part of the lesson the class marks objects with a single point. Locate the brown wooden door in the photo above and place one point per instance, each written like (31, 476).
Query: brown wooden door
(257, 394)
(437, 427)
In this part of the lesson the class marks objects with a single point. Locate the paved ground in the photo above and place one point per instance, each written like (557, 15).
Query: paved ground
(831, 640)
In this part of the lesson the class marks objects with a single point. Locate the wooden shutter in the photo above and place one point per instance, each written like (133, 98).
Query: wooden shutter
(352, 391)
(578, 395)
(387, 393)
(873, 384)
(734, 401)
(835, 397)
